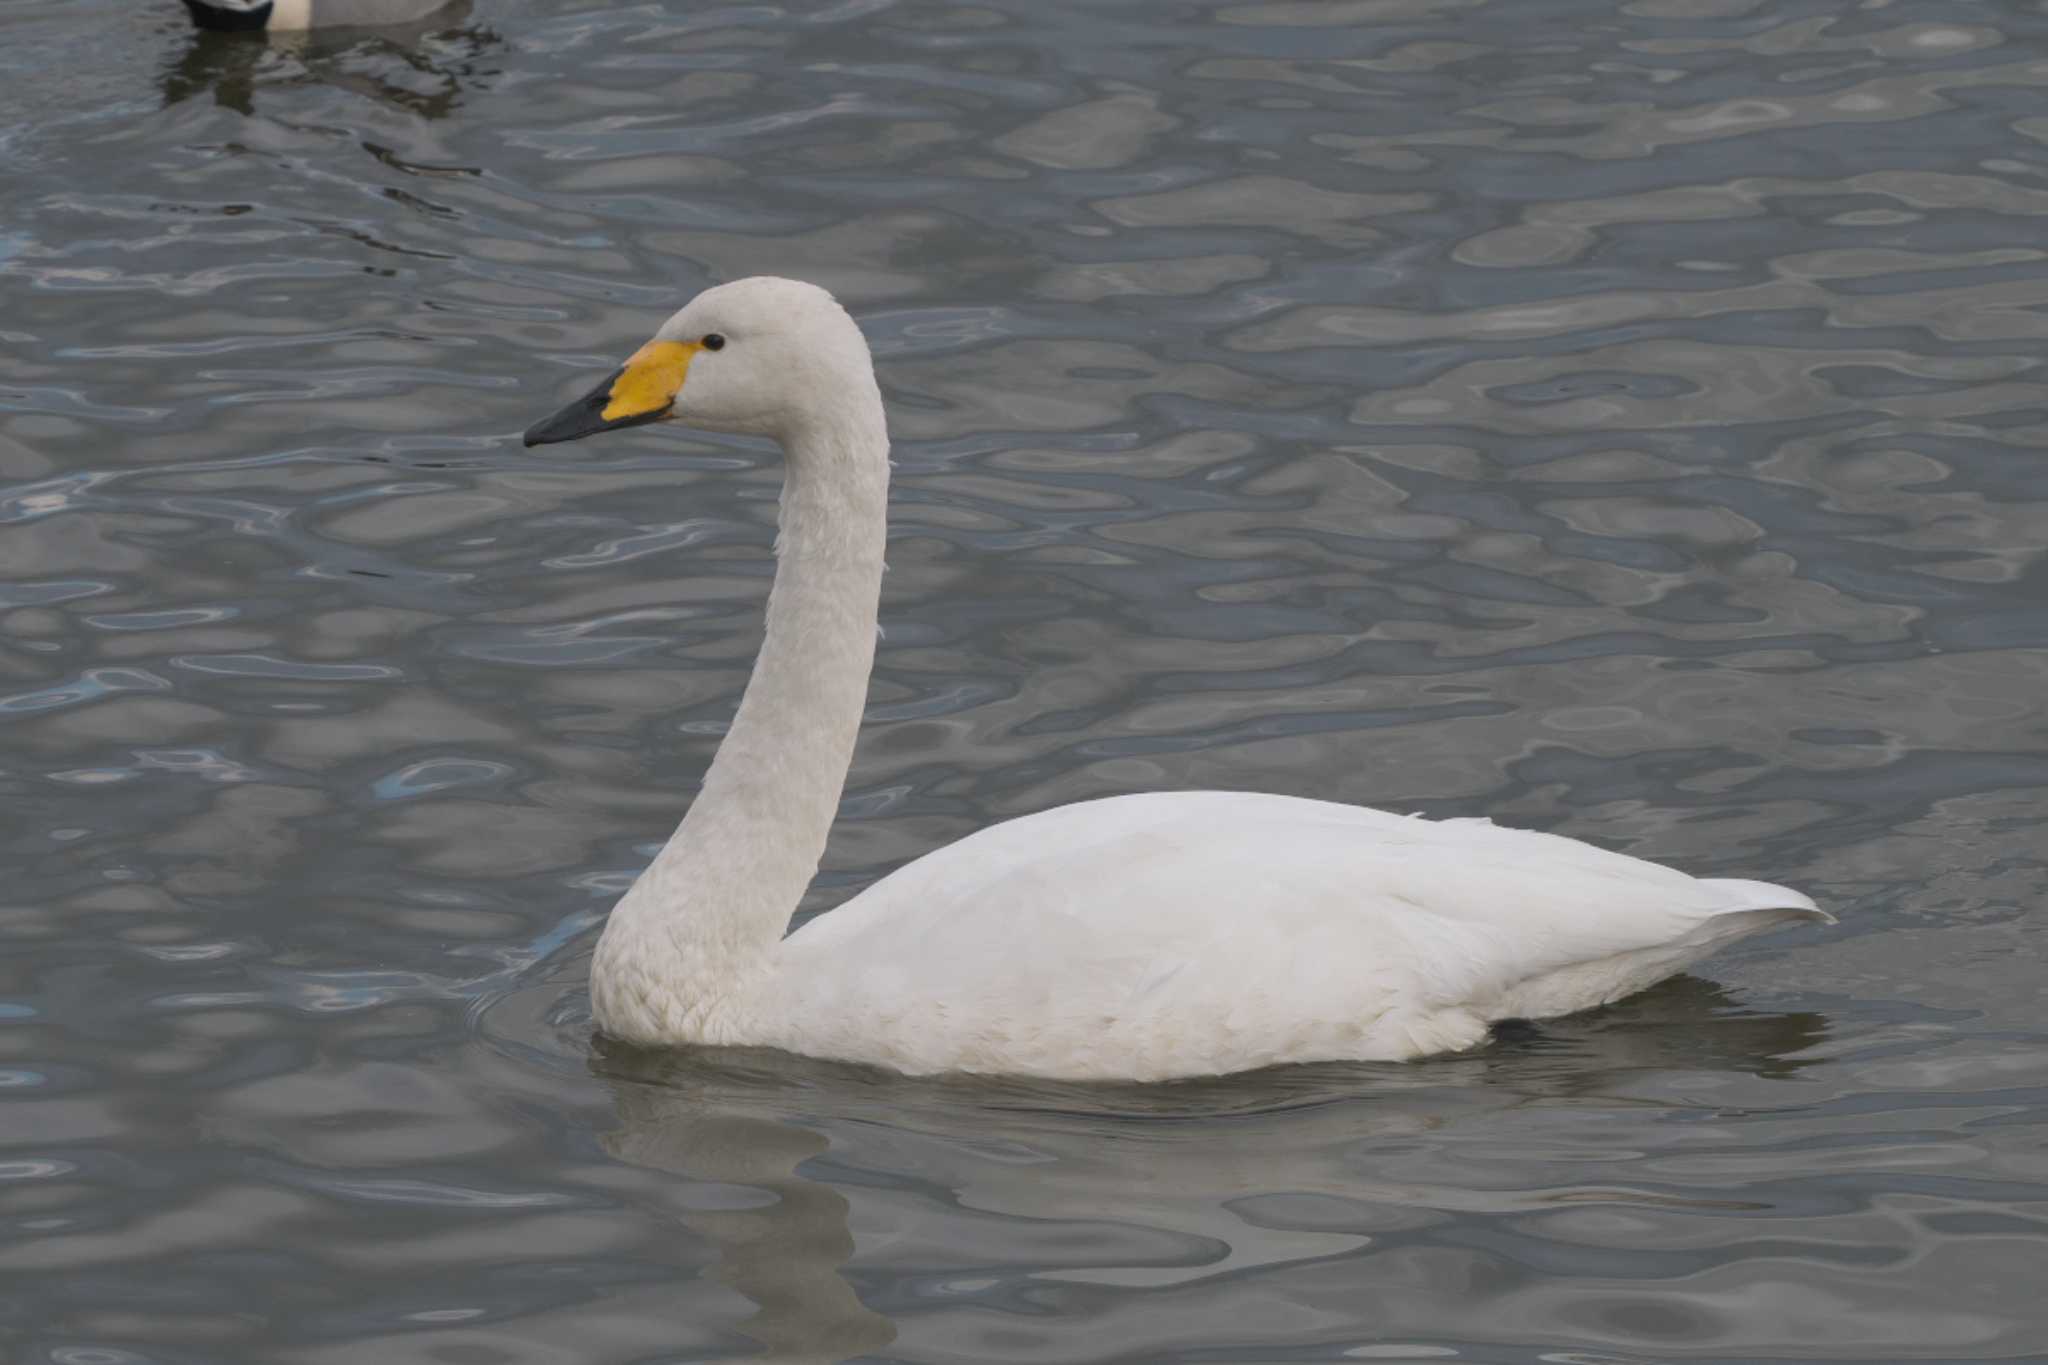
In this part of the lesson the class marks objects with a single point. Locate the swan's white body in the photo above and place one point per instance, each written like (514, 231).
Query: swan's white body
(1133, 938)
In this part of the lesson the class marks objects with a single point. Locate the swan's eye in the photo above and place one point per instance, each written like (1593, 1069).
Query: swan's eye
(713, 342)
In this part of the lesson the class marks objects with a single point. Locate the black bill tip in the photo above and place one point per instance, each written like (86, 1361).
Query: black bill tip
(585, 417)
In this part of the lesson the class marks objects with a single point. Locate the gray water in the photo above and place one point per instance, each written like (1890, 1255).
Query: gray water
(1622, 419)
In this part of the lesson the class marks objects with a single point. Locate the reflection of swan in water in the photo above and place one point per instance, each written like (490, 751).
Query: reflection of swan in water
(1137, 937)
(784, 1256)
(1683, 1024)
(1048, 1183)
(435, 73)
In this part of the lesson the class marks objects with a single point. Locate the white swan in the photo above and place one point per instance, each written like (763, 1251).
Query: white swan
(1133, 938)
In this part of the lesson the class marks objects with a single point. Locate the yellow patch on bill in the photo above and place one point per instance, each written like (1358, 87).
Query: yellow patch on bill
(651, 379)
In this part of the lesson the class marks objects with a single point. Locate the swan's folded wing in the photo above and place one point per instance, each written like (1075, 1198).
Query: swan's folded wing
(1255, 917)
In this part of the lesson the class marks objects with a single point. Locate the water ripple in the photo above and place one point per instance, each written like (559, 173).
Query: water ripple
(1614, 419)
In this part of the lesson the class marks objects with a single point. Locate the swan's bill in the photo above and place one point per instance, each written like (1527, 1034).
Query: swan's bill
(641, 391)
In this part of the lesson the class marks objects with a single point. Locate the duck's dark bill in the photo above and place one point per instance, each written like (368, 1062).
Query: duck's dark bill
(585, 417)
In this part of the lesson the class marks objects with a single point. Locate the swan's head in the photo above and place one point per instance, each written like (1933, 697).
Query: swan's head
(762, 356)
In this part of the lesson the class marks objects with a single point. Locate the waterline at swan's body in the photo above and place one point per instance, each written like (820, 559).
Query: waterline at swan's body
(1174, 934)
(1136, 938)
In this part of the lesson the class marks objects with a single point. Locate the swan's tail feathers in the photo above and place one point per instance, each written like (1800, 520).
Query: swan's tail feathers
(1771, 905)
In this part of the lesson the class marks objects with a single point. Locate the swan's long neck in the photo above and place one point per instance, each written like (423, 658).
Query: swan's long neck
(707, 913)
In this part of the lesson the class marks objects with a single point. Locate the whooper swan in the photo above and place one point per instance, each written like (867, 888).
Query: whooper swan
(1134, 937)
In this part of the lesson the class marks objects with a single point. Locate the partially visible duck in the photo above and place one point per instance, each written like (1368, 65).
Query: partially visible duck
(294, 16)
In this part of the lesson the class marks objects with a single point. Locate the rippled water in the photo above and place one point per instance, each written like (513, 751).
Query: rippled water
(1618, 418)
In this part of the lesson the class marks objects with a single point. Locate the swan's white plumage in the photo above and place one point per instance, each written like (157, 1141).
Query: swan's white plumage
(1167, 934)
(1137, 937)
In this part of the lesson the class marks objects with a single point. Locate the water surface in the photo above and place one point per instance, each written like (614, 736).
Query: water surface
(1618, 419)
